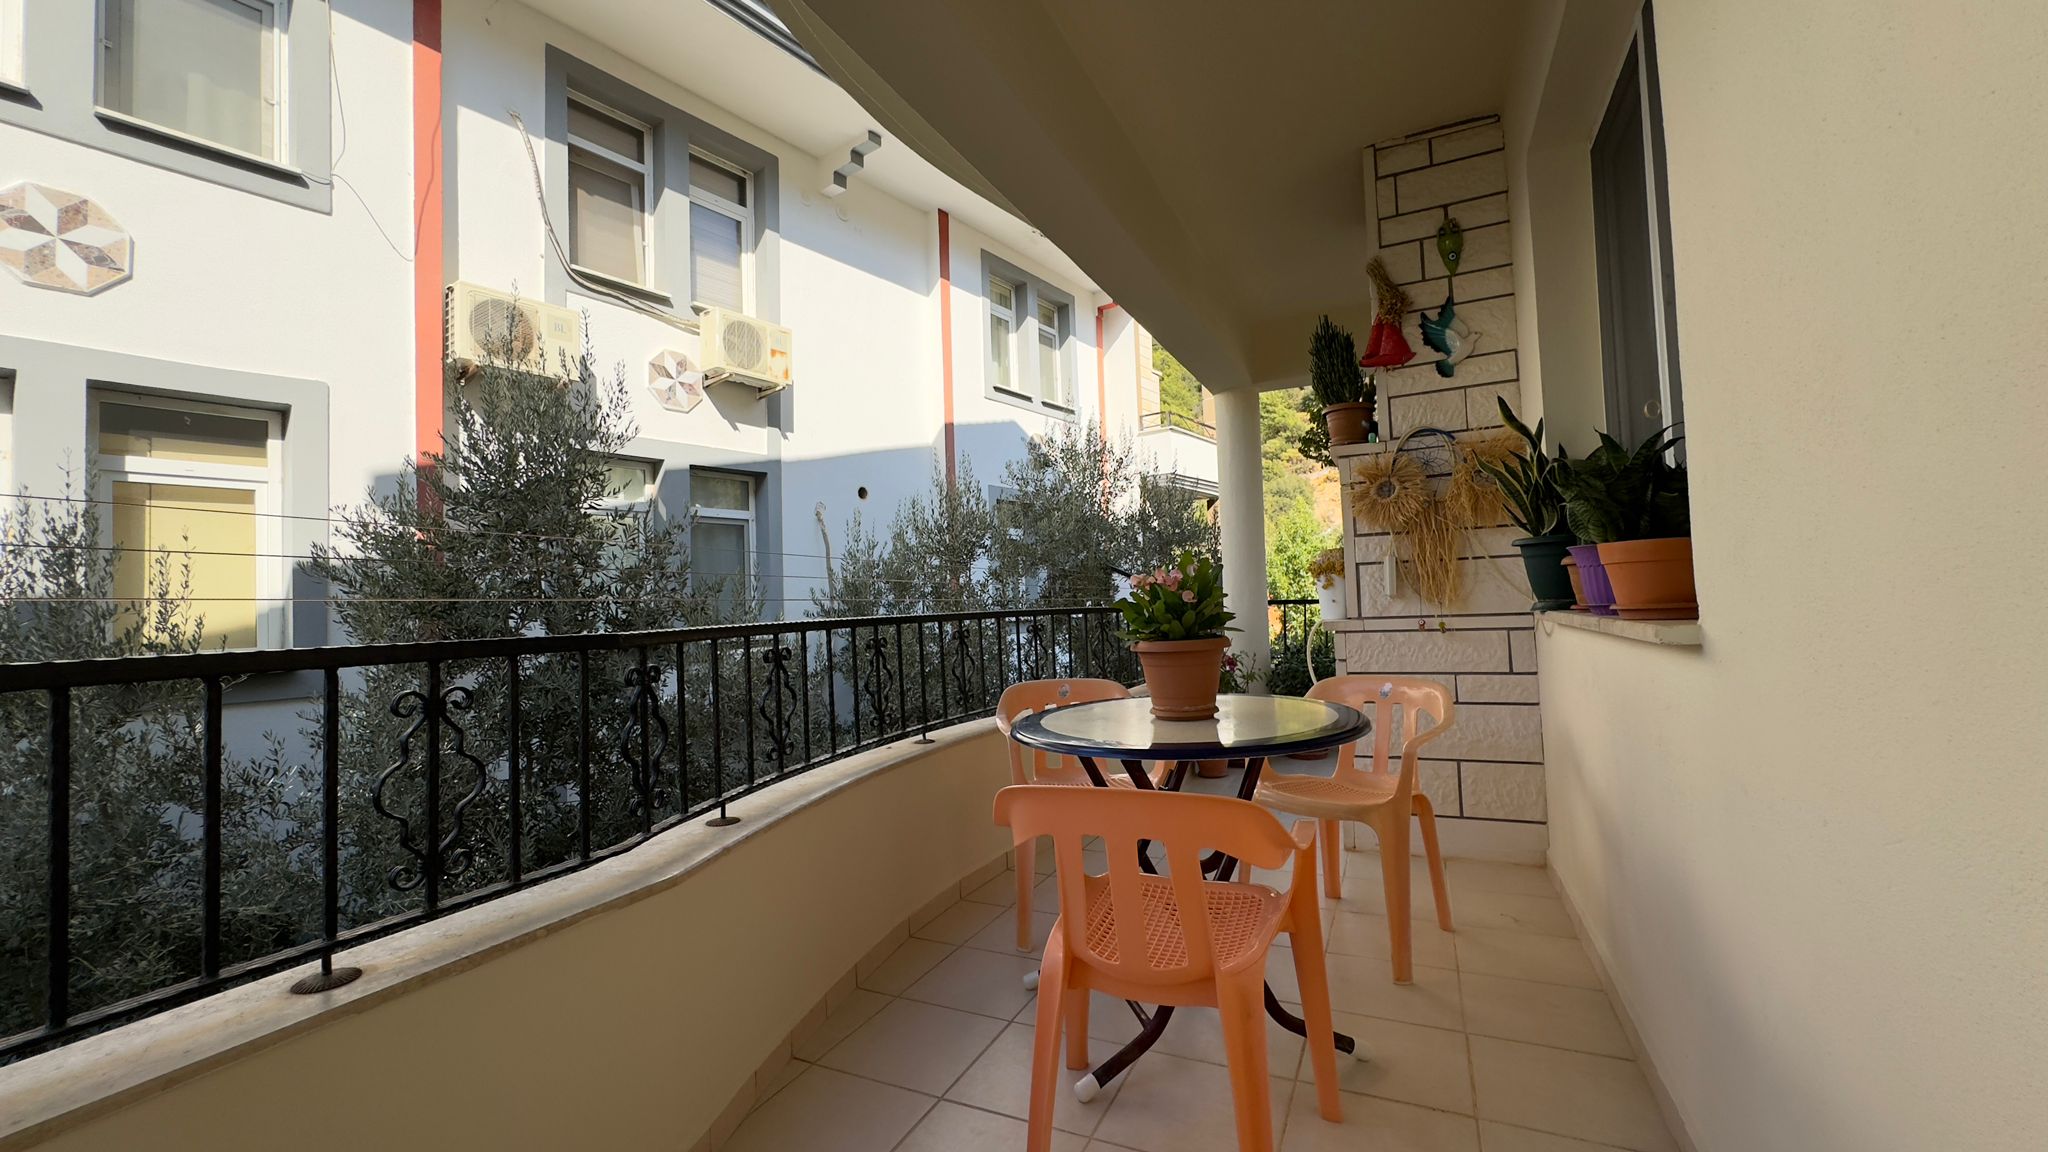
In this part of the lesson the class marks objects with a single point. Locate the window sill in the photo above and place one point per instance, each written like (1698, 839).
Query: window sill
(594, 279)
(1670, 633)
(121, 121)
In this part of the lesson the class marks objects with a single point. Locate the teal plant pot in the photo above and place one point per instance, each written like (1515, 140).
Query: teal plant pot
(1543, 559)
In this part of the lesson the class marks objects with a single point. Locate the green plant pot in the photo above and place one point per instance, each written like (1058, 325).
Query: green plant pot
(1543, 559)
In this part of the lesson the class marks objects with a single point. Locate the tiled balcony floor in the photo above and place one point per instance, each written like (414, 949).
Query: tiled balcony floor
(1504, 1042)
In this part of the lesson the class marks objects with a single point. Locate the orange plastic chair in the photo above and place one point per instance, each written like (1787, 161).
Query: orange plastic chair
(1381, 798)
(1036, 766)
(1177, 938)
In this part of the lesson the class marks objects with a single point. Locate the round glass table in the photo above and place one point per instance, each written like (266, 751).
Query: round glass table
(1250, 729)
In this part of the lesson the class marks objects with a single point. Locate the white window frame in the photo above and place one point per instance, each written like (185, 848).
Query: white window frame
(276, 60)
(747, 519)
(1029, 294)
(273, 573)
(13, 57)
(1012, 387)
(6, 431)
(630, 512)
(743, 213)
(644, 168)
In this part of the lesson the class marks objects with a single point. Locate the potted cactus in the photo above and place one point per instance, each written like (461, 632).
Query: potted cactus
(1340, 387)
(1175, 621)
(1529, 487)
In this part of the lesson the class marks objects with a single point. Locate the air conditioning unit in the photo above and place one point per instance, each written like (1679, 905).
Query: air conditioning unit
(744, 350)
(488, 326)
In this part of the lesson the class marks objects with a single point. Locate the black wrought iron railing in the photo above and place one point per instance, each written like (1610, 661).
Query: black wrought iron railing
(1303, 651)
(173, 825)
(1166, 419)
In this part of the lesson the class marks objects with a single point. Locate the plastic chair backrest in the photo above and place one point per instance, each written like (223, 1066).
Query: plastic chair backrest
(1379, 696)
(1186, 825)
(1030, 696)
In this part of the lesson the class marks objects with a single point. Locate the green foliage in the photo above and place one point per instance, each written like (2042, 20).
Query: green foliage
(1313, 442)
(1290, 672)
(1292, 543)
(1529, 479)
(135, 901)
(1079, 511)
(1183, 601)
(1613, 494)
(1179, 392)
(1333, 372)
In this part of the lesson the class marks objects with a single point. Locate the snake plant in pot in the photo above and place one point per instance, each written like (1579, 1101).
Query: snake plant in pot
(1529, 481)
(1629, 510)
(1175, 620)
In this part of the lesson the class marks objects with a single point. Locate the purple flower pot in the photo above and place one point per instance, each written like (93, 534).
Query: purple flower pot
(1593, 577)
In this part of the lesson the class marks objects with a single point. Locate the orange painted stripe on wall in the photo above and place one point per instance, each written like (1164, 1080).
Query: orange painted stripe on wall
(427, 282)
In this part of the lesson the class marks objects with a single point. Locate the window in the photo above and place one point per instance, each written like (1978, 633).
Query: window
(609, 190)
(629, 497)
(1638, 327)
(1002, 333)
(6, 431)
(192, 488)
(209, 69)
(722, 526)
(1030, 333)
(12, 57)
(720, 224)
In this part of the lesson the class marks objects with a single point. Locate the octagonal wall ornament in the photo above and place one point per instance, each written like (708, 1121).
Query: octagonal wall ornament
(60, 240)
(675, 381)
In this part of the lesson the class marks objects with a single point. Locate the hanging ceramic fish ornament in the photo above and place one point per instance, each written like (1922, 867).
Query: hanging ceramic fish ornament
(1445, 332)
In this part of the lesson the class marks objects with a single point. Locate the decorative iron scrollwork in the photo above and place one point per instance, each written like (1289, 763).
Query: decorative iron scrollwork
(1105, 647)
(1034, 648)
(778, 701)
(966, 664)
(423, 710)
(876, 683)
(644, 716)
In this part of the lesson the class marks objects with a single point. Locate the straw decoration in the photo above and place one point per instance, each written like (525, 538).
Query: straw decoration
(1474, 496)
(1392, 491)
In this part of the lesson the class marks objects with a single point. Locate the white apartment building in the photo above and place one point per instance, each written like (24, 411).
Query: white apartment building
(229, 231)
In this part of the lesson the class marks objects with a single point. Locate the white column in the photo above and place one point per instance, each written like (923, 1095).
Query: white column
(1241, 512)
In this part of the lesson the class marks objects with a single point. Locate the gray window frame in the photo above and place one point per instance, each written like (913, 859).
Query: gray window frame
(672, 133)
(59, 96)
(1029, 291)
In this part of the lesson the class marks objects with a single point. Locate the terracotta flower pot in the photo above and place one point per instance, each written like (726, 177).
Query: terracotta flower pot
(1543, 558)
(1182, 675)
(1593, 578)
(1652, 579)
(1571, 569)
(1348, 423)
(1213, 769)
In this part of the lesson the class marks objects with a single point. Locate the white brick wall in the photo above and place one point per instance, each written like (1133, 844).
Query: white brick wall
(1490, 766)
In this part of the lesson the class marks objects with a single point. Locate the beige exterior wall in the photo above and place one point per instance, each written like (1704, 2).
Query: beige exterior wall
(633, 1026)
(1810, 853)
(1486, 782)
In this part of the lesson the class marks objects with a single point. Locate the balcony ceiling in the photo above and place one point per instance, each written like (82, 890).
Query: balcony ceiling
(1203, 162)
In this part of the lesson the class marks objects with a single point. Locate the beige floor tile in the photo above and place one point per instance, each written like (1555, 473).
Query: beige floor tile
(904, 966)
(974, 980)
(1106, 1146)
(1197, 1033)
(1405, 1062)
(783, 1079)
(1172, 1104)
(1365, 892)
(1596, 1098)
(1365, 985)
(952, 1128)
(1494, 876)
(1525, 956)
(1508, 1138)
(1511, 912)
(1001, 891)
(827, 1111)
(1361, 934)
(956, 924)
(1000, 1081)
(1378, 1125)
(914, 1045)
(1563, 1017)
(1046, 897)
(856, 1011)
(1000, 934)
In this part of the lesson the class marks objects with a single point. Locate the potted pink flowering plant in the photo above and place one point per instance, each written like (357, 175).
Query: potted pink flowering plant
(1175, 621)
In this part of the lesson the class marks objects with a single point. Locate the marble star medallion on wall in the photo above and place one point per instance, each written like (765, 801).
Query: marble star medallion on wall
(675, 381)
(60, 240)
